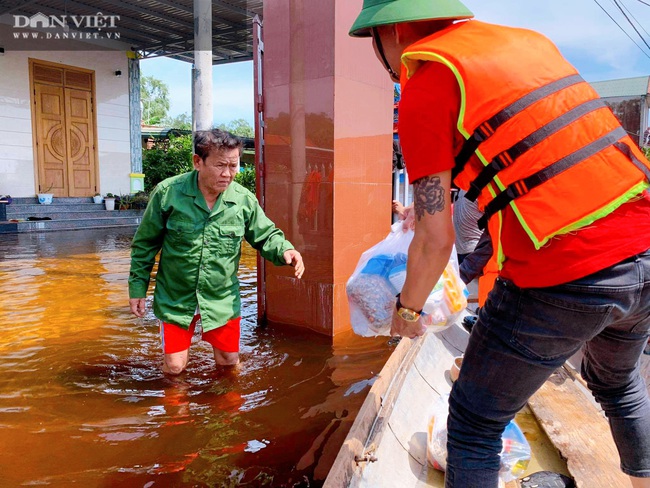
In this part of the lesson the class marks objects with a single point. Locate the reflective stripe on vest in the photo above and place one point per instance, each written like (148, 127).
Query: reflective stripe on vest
(521, 187)
(538, 137)
(488, 128)
(507, 157)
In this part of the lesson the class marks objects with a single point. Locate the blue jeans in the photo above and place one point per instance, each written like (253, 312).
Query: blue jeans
(523, 335)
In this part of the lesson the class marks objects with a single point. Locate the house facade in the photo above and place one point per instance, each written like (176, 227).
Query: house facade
(64, 122)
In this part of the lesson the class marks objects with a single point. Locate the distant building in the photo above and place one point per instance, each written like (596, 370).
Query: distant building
(70, 110)
(628, 99)
(153, 133)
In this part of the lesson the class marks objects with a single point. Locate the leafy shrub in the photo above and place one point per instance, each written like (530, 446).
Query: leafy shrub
(175, 158)
(140, 200)
(246, 178)
(124, 201)
(159, 164)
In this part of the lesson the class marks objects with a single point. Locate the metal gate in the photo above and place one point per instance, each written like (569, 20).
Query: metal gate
(258, 82)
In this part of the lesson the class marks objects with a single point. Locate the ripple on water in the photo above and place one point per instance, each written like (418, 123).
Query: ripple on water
(14, 409)
(83, 401)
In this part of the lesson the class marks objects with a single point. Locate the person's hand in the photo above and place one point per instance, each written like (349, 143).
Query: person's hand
(409, 218)
(138, 306)
(293, 258)
(398, 209)
(402, 328)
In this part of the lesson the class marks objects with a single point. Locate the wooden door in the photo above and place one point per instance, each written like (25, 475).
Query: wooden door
(64, 130)
(51, 147)
(80, 138)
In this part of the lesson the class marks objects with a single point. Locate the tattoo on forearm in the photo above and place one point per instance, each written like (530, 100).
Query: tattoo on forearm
(429, 196)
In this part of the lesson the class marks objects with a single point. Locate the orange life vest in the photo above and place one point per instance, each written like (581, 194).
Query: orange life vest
(538, 137)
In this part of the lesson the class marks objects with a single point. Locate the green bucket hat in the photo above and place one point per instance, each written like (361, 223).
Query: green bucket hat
(383, 12)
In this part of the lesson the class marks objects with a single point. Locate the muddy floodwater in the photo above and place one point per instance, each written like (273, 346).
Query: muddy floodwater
(83, 402)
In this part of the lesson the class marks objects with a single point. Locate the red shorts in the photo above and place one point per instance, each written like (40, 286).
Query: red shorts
(177, 339)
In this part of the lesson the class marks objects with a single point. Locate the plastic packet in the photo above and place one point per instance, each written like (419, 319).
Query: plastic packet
(379, 277)
(437, 433)
(370, 290)
(447, 299)
(515, 453)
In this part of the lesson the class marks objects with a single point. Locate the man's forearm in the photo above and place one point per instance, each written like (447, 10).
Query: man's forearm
(425, 264)
(143, 259)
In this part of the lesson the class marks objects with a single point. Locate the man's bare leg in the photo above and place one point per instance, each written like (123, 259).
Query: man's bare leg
(223, 358)
(176, 362)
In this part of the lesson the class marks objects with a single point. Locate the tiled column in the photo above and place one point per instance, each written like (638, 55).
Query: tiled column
(328, 111)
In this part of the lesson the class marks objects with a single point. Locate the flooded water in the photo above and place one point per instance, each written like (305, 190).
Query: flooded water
(83, 402)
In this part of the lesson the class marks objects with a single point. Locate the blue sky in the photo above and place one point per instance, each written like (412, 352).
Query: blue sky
(583, 32)
(232, 87)
(586, 36)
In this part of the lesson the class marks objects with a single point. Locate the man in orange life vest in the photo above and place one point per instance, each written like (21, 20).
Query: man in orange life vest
(499, 112)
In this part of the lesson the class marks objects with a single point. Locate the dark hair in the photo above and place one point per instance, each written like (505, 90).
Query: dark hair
(206, 141)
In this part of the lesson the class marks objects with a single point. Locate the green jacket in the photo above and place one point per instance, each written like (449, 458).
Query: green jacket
(200, 250)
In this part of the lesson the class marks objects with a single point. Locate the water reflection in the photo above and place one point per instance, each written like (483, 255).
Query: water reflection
(82, 399)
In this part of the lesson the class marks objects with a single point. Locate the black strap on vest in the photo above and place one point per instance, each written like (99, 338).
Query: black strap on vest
(507, 157)
(487, 128)
(625, 149)
(521, 187)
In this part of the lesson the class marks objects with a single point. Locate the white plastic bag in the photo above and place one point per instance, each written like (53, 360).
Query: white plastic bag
(437, 433)
(447, 299)
(515, 453)
(371, 291)
(380, 275)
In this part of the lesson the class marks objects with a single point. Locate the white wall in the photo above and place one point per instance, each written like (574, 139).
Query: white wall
(17, 167)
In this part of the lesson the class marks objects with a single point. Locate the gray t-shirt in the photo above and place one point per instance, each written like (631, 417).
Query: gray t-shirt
(466, 215)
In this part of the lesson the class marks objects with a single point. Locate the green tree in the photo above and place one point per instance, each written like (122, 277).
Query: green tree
(181, 121)
(154, 94)
(239, 127)
(163, 162)
(246, 178)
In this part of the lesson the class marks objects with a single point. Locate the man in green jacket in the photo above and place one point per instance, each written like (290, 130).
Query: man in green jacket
(197, 221)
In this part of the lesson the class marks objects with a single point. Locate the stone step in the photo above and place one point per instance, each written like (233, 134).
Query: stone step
(38, 209)
(66, 213)
(72, 224)
(56, 200)
(8, 227)
(77, 213)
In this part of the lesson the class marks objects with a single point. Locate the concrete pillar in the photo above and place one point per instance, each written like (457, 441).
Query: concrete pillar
(202, 69)
(328, 154)
(135, 113)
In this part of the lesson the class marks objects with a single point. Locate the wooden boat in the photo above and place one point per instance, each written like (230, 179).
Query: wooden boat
(387, 444)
